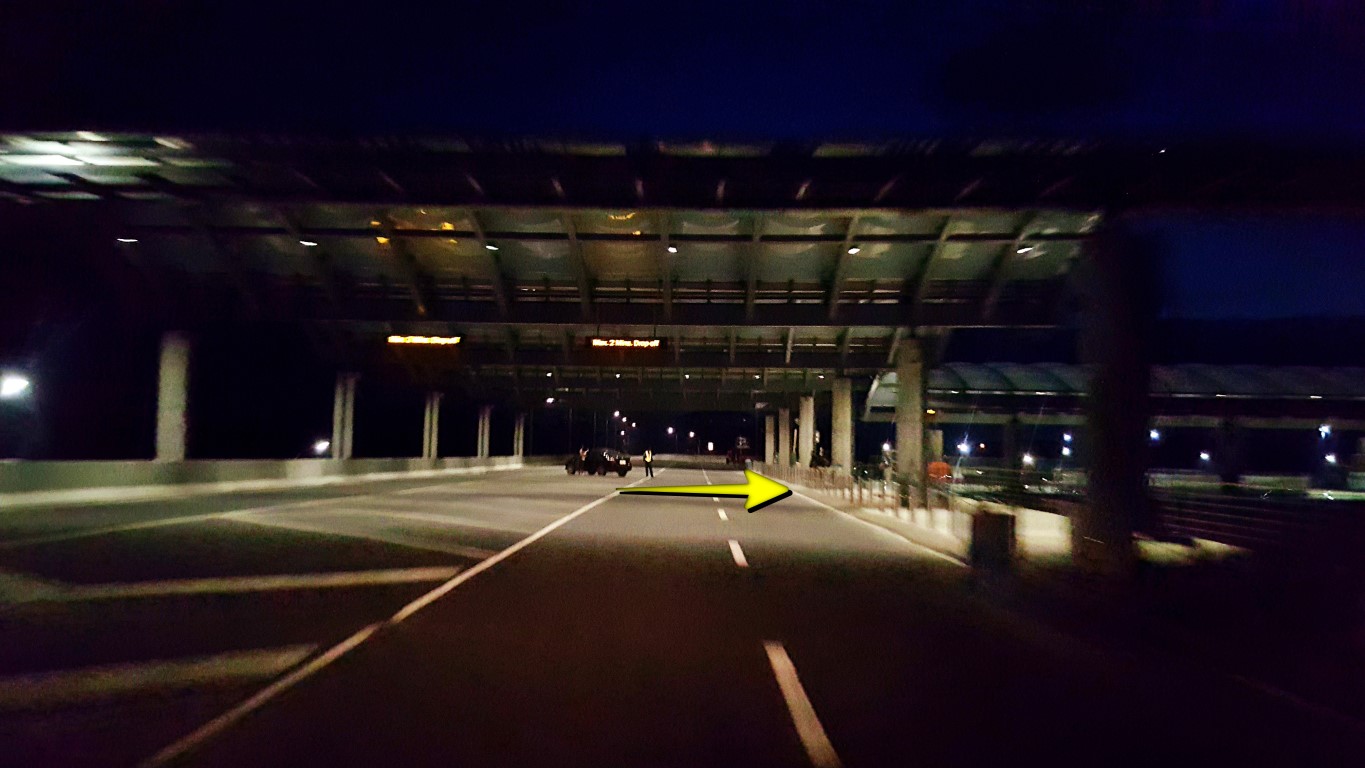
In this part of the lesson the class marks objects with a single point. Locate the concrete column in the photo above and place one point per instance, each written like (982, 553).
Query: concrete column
(431, 427)
(1119, 293)
(769, 440)
(910, 466)
(806, 435)
(841, 427)
(172, 397)
(343, 416)
(1009, 443)
(519, 436)
(784, 437)
(485, 429)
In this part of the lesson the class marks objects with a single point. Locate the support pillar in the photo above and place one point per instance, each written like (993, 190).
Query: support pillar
(1118, 283)
(343, 416)
(910, 468)
(431, 427)
(841, 427)
(172, 397)
(519, 436)
(784, 437)
(485, 429)
(769, 440)
(806, 434)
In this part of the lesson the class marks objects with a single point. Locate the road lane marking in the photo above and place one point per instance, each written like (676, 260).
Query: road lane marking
(883, 531)
(212, 728)
(722, 514)
(808, 727)
(738, 553)
(184, 519)
(387, 537)
(79, 686)
(246, 584)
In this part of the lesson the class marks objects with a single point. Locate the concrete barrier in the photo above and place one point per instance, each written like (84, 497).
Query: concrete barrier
(30, 483)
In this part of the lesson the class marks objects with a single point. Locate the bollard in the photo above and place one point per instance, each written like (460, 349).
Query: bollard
(992, 545)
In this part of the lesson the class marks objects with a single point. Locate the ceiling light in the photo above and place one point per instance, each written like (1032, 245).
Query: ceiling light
(548, 374)
(1023, 249)
(119, 161)
(853, 250)
(127, 239)
(382, 240)
(490, 246)
(308, 243)
(549, 400)
(672, 249)
(41, 160)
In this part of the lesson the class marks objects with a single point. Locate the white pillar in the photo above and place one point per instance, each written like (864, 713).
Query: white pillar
(343, 416)
(910, 419)
(519, 436)
(172, 397)
(431, 427)
(806, 435)
(485, 427)
(841, 430)
(784, 437)
(770, 440)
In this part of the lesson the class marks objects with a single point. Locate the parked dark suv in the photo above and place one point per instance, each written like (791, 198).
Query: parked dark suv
(600, 461)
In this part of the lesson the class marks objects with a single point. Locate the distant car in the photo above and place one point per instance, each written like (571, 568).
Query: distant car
(600, 461)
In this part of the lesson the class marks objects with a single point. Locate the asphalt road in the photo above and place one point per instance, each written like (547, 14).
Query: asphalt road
(527, 618)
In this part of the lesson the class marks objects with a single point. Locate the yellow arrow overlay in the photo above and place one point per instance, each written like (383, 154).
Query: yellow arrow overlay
(759, 490)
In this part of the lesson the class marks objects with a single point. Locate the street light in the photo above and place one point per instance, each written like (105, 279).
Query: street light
(1028, 459)
(1330, 458)
(321, 447)
(670, 430)
(964, 448)
(1066, 437)
(1204, 456)
(1066, 450)
(614, 414)
(13, 386)
(1324, 431)
(691, 434)
(1154, 435)
(886, 447)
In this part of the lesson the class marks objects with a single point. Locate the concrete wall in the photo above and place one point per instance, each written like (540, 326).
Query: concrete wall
(25, 483)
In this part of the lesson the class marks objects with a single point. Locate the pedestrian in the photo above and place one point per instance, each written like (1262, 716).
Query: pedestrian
(649, 463)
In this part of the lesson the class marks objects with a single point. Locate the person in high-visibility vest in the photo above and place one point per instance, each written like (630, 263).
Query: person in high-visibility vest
(649, 463)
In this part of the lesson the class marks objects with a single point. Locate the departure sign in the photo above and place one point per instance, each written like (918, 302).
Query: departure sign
(438, 340)
(627, 343)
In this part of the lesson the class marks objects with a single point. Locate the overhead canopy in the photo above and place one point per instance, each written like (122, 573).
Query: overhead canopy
(1056, 387)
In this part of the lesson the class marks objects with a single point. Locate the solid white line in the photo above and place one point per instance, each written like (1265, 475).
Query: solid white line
(73, 686)
(883, 531)
(738, 554)
(107, 529)
(229, 718)
(247, 584)
(808, 727)
(722, 514)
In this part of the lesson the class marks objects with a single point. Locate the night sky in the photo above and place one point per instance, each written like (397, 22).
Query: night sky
(1273, 71)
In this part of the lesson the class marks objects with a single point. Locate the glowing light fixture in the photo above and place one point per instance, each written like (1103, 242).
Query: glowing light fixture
(672, 249)
(431, 340)
(1027, 459)
(308, 243)
(1330, 458)
(1204, 456)
(127, 239)
(853, 250)
(490, 246)
(13, 385)
(1066, 450)
(321, 447)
